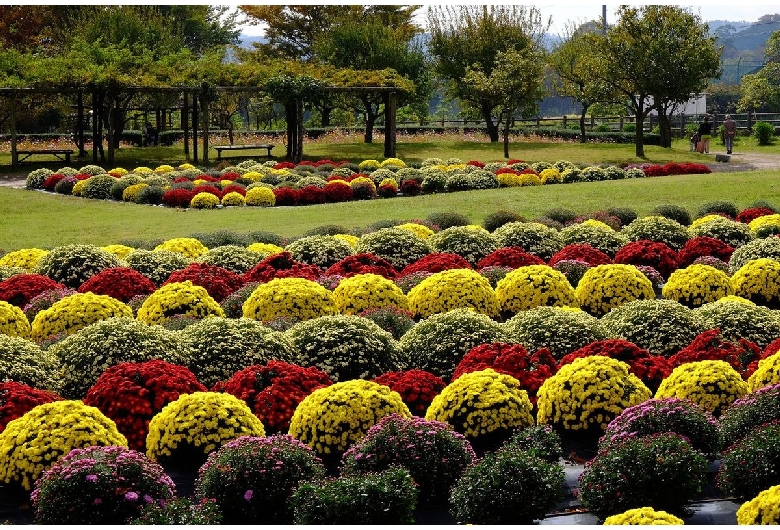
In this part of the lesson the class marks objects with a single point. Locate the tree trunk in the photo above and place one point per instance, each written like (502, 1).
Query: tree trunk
(506, 133)
(326, 116)
(666, 130)
(492, 128)
(371, 117)
(289, 118)
(583, 115)
(639, 140)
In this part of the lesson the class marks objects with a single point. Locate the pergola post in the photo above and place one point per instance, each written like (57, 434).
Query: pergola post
(390, 125)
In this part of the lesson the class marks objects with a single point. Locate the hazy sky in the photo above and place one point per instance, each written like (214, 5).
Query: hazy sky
(563, 13)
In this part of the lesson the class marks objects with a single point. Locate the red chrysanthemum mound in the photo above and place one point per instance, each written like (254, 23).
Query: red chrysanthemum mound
(417, 388)
(234, 188)
(511, 359)
(178, 198)
(364, 263)
(20, 289)
(122, 283)
(132, 393)
(700, 246)
(410, 188)
(52, 180)
(206, 188)
(513, 257)
(751, 214)
(281, 265)
(772, 348)
(338, 192)
(230, 175)
(218, 281)
(436, 262)
(274, 390)
(286, 196)
(709, 345)
(650, 369)
(17, 399)
(655, 254)
(581, 252)
(311, 195)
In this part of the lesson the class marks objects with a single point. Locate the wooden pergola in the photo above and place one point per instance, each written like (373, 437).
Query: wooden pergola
(190, 98)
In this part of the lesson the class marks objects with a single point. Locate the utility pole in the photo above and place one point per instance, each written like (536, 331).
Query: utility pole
(604, 19)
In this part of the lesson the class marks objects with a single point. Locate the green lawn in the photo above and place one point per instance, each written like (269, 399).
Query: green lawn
(38, 219)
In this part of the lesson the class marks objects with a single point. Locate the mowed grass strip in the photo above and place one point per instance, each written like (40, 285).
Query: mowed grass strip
(46, 220)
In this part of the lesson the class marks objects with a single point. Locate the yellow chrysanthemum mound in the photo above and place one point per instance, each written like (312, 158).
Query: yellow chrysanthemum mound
(712, 385)
(453, 289)
(13, 321)
(643, 516)
(758, 280)
(31, 444)
(697, 284)
(189, 246)
(25, 258)
(368, 291)
(74, 312)
(589, 393)
(767, 373)
(605, 287)
(533, 286)
(178, 298)
(764, 508)
(296, 298)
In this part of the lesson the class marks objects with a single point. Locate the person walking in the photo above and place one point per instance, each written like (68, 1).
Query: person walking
(729, 132)
(705, 132)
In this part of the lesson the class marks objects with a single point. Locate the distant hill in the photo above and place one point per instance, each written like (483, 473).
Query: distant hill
(247, 41)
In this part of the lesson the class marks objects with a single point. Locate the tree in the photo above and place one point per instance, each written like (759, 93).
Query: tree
(516, 81)
(762, 89)
(468, 35)
(656, 56)
(571, 64)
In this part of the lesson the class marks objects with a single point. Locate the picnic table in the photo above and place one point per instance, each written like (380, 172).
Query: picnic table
(245, 147)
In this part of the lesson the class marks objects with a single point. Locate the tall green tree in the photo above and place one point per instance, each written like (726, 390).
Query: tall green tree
(515, 81)
(762, 89)
(468, 35)
(656, 56)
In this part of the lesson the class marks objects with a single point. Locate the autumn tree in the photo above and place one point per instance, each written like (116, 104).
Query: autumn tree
(762, 89)
(467, 35)
(656, 56)
(515, 81)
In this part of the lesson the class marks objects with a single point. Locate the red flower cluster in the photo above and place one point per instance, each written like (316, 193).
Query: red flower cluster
(234, 188)
(132, 393)
(208, 189)
(581, 252)
(410, 188)
(387, 191)
(218, 281)
(311, 195)
(122, 283)
(651, 369)
(651, 253)
(750, 214)
(17, 399)
(417, 388)
(52, 180)
(230, 175)
(700, 246)
(274, 390)
(364, 263)
(743, 355)
(436, 262)
(284, 165)
(338, 192)
(178, 198)
(475, 163)
(207, 178)
(286, 196)
(513, 257)
(511, 359)
(675, 168)
(20, 289)
(281, 265)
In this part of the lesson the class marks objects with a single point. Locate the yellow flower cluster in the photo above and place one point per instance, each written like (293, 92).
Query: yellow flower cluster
(420, 230)
(78, 187)
(532, 286)
(265, 248)
(143, 170)
(369, 165)
(453, 289)
(362, 181)
(13, 321)
(118, 172)
(233, 199)
(202, 419)
(131, 192)
(764, 220)
(254, 176)
(764, 508)
(589, 393)
(394, 162)
(712, 385)
(482, 402)
(704, 220)
(599, 225)
(120, 251)
(696, 285)
(25, 258)
(349, 238)
(605, 287)
(767, 373)
(31, 444)
(367, 291)
(550, 176)
(74, 312)
(758, 280)
(510, 180)
(296, 298)
(188, 246)
(163, 168)
(389, 182)
(260, 196)
(643, 516)
(333, 418)
(178, 298)
(204, 200)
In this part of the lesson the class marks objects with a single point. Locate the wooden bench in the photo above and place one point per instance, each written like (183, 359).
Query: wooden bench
(59, 154)
(220, 148)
